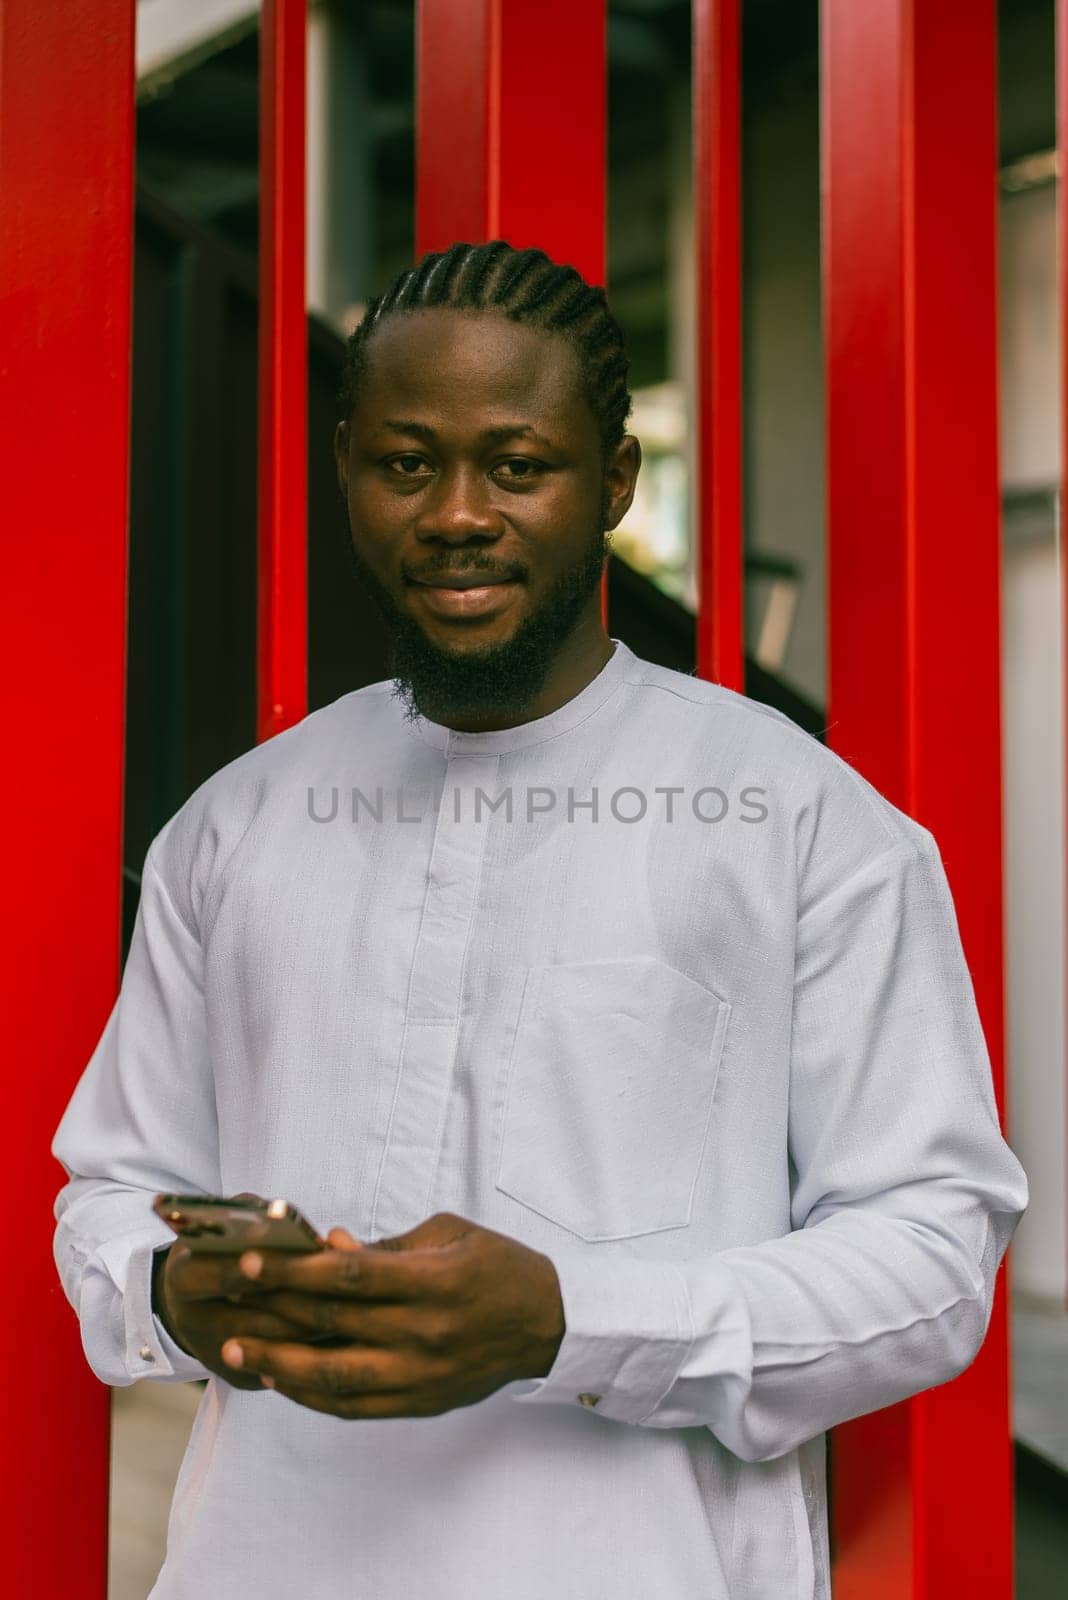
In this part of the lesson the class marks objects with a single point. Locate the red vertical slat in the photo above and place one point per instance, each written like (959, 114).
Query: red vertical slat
(717, 206)
(962, 1452)
(66, 182)
(1062, 273)
(283, 380)
(510, 128)
(491, 161)
(923, 1500)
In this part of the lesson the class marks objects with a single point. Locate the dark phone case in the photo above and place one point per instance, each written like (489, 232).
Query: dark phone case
(221, 1226)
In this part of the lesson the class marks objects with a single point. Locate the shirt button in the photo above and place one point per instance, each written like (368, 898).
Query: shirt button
(589, 1399)
(146, 1353)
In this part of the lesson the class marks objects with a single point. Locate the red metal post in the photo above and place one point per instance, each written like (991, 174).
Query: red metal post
(1062, 269)
(923, 1498)
(717, 206)
(496, 155)
(283, 376)
(66, 178)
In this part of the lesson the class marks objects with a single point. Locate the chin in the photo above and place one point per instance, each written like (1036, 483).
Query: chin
(461, 638)
(460, 641)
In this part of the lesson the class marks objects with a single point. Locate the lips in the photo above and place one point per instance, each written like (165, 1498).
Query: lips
(469, 580)
(467, 601)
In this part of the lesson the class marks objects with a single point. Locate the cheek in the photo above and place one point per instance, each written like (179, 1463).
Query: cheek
(571, 519)
(376, 517)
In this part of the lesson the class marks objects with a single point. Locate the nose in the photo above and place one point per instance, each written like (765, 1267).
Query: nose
(458, 508)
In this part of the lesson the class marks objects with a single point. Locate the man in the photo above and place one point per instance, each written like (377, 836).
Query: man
(619, 1031)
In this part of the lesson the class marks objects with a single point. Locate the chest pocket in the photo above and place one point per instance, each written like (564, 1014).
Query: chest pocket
(609, 1095)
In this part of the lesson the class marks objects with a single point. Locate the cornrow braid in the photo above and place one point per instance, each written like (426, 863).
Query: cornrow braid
(526, 286)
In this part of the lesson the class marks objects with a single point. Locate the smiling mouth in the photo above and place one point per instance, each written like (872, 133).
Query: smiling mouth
(470, 580)
(482, 597)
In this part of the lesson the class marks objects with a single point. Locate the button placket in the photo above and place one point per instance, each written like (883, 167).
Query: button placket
(432, 1021)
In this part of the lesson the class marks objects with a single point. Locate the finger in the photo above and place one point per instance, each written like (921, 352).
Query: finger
(354, 1370)
(248, 1383)
(328, 1316)
(364, 1274)
(207, 1275)
(198, 1275)
(222, 1322)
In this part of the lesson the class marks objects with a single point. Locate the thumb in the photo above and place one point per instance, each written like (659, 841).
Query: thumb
(443, 1228)
(341, 1239)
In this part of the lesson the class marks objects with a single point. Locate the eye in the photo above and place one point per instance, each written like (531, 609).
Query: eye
(408, 465)
(520, 469)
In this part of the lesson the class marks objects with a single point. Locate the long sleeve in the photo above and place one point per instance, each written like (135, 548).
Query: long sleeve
(904, 1197)
(141, 1120)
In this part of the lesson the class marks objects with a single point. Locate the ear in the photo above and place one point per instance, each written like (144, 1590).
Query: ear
(341, 457)
(621, 479)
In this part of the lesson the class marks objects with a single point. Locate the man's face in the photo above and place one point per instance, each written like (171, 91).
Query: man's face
(473, 451)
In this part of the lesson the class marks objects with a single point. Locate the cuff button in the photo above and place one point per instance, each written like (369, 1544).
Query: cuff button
(146, 1353)
(589, 1399)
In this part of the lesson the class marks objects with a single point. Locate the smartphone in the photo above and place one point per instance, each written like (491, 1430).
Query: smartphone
(221, 1226)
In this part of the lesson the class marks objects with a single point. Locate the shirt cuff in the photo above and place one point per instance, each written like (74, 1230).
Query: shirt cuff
(150, 1352)
(628, 1330)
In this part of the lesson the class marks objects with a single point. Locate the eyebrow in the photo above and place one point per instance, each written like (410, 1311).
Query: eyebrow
(505, 430)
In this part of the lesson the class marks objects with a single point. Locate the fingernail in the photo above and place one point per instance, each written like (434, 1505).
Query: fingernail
(233, 1354)
(268, 1383)
(251, 1265)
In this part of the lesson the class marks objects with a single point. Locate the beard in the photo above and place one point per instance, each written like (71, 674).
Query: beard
(502, 679)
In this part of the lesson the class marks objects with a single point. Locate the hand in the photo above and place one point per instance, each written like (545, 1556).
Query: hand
(194, 1297)
(435, 1318)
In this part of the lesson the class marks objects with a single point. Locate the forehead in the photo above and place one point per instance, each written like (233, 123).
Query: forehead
(479, 366)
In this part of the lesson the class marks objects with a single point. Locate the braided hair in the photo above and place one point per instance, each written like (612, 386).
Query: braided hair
(526, 286)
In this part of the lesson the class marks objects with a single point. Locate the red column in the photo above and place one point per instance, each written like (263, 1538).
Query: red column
(923, 1492)
(510, 128)
(283, 375)
(66, 178)
(1062, 262)
(492, 160)
(717, 204)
